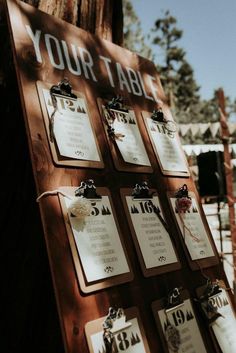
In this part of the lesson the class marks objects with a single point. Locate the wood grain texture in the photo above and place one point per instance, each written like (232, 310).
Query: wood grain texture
(101, 17)
(75, 308)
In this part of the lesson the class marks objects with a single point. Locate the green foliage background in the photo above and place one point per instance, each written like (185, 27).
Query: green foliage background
(176, 73)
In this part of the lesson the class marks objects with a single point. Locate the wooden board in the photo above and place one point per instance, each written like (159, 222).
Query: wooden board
(57, 157)
(95, 327)
(156, 270)
(95, 68)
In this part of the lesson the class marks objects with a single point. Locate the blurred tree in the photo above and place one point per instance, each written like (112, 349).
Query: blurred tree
(231, 109)
(176, 73)
(134, 38)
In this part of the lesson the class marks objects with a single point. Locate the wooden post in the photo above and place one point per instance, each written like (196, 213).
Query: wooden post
(228, 172)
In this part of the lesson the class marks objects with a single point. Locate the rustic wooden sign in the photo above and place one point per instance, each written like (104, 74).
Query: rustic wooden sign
(47, 51)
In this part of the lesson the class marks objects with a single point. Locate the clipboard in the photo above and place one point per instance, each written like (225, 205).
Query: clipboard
(176, 314)
(94, 327)
(118, 160)
(141, 206)
(203, 262)
(176, 148)
(219, 300)
(94, 285)
(59, 159)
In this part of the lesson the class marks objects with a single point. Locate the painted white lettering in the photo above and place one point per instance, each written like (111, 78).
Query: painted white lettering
(76, 71)
(35, 39)
(79, 62)
(49, 40)
(153, 87)
(143, 88)
(106, 62)
(122, 79)
(134, 82)
(87, 63)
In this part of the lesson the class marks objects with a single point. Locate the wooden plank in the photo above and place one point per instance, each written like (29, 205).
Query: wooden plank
(102, 69)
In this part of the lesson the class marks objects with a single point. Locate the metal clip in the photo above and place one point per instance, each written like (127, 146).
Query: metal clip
(87, 189)
(212, 288)
(182, 192)
(63, 89)
(183, 200)
(114, 322)
(174, 300)
(158, 116)
(117, 104)
(112, 107)
(141, 191)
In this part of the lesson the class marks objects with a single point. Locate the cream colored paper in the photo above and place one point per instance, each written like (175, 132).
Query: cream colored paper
(98, 242)
(72, 128)
(166, 147)
(224, 327)
(153, 239)
(183, 319)
(128, 341)
(193, 231)
(128, 138)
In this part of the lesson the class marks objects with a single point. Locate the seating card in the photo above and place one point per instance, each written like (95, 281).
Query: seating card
(97, 245)
(167, 147)
(129, 340)
(152, 240)
(178, 327)
(69, 129)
